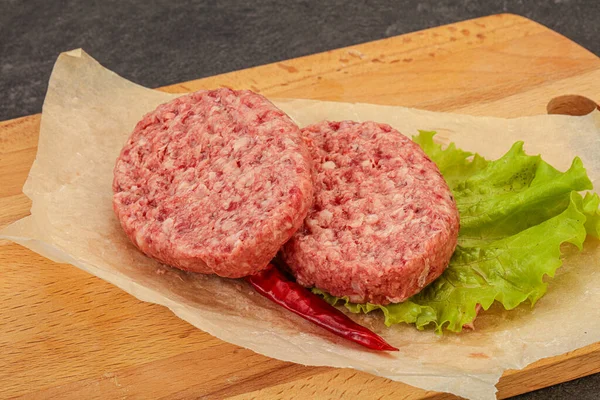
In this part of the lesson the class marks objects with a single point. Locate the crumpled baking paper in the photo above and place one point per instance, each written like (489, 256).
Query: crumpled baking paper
(89, 112)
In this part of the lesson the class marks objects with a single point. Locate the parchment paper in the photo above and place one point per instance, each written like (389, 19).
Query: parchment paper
(87, 116)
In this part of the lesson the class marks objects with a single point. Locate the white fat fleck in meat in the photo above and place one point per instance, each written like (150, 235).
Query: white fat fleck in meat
(289, 225)
(169, 163)
(423, 276)
(234, 239)
(356, 221)
(289, 142)
(372, 219)
(388, 230)
(312, 223)
(218, 185)
(245, 180)
(328, 165)
(241, 143)
(183, 186)
(325, 217)
(140, 238)
(167, 225)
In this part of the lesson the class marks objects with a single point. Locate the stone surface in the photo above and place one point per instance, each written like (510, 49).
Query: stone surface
(163, 42)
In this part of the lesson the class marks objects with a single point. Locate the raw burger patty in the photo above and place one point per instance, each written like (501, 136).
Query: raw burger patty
(383, 224)
(213, 182)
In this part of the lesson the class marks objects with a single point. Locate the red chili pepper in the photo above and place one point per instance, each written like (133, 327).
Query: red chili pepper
(273, 284)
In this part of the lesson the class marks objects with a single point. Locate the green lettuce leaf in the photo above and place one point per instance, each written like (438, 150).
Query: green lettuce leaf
(515, 214)
(590, 209)
(455, 164)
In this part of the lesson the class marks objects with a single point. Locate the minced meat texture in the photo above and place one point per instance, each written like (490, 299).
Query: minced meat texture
(383, 224)
(213, 182)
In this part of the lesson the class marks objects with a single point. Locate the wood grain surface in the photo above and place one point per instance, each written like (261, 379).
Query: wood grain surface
(66, 334)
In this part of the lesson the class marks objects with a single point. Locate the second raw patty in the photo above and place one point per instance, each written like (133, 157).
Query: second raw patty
(384, 223)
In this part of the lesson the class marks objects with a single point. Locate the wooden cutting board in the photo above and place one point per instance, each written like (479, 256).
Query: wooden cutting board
(64, 333)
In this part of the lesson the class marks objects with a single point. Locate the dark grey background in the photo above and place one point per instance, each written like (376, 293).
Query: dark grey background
(156, 43)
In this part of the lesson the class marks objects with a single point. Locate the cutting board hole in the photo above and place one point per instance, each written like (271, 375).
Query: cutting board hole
(571, 104)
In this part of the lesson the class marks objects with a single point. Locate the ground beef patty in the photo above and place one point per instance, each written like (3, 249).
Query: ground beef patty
(384, 223)
(213, 182)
